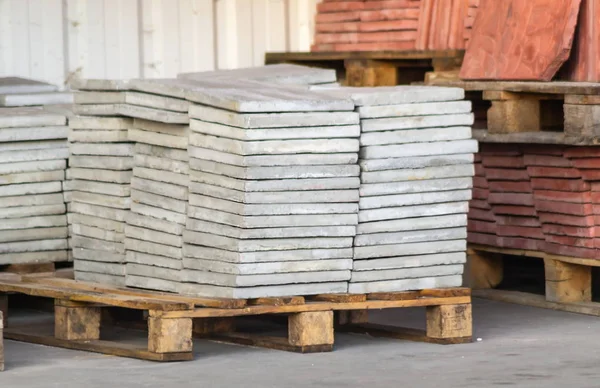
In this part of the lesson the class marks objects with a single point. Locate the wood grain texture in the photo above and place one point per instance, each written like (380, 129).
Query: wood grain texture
(584, 62)
(76, 323)
(311, 328)
(169, 335)
(450, 321)
(566, 282)
(498, 50)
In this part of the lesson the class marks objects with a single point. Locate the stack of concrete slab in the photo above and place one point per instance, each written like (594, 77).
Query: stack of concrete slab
(416, 162)
(16, 91)
(159, 187)
(273, 194)
(33, 154)
(100, 169)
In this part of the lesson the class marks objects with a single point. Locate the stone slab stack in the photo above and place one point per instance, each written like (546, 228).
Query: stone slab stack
(33, 154)
(416, 162)
(100, 170)
(273, 192)
(16, 91)
(159, 187)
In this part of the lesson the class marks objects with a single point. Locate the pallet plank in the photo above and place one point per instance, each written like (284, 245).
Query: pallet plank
(277, 301)
(269, 342)
(402, 333)
(338, 298)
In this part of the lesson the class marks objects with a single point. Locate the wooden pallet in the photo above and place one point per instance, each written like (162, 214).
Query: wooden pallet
(533, 112)
(173, 320)
(568, 280)
(379, 68)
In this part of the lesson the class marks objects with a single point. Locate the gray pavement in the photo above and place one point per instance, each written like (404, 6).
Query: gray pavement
(520, 346)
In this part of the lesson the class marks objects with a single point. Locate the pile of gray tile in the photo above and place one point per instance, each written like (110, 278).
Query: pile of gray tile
(159, 188)
(16, 91)
(416, 162)
(100, 170)
(273, 194)
(33, 154)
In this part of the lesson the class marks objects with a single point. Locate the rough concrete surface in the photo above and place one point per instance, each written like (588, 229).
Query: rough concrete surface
(520, 347)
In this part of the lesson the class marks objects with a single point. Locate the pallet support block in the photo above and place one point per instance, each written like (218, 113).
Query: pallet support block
(449, 321)
(566, 282)
(485, 270)
(311, 328)
(508, 116)
(207, 326)
(582, 120)
(351, 317)
(76, 321)
(367, 72)
(169, 335)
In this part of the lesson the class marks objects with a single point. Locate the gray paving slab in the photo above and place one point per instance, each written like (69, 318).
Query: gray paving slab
(151, 271)
(100, 149)
(406, 273)
(170, 87)
(412, 236)
(273, 209)
(414, 122)
(29, 117)
(154, 138)
(97, 244)
(34, 246)
(162, 176)
(145, 234)
(97, 255)
(99, 97)
(100, 84)
(100, 278)
(156, 101)
(257, 233)
(117, 163)
(274, 173)
(180, 130)
(97, 233)
(34, 133)
(415, 109)
(273, 197)
(42, 165)
(226, 131)
(19, 85)
(419, 248)
(118, 227)
(18, 156)
(160, 163)
(420, 223)
(32, 200)
(267, 268)
(275, 185)
(139, 220)
(52, 144)
(163, 116)
(421, 149)
(30, 188)
(99, 211)
(159, 201)
(98, 267)
(32, 177)
(258, 245)
(426, 135)
(272, 160)
(101, 199)
(33, 257)
(160, 188)
(208, 253)
(101, 175)
(406, 284)
(155, 260)
(451, 258)
(33, 234)
(151, 283)
(153, 248)
(403, 94)
(163, 152)
(272, 120)
(414, 186)
(33, 222)
(399, 175)
(98, 110)
(100, 123)
(263, 291)
(161, 214)
(116, 189)
(95, 136)
(31, 211)
(387, 201)
(218, 279)
(34, 99)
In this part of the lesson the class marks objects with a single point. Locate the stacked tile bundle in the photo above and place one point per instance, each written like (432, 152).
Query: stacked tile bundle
(16, 91)
(441, 24)
(273, 192)
(470, 20)
(159, 187)
(416, 162)
(554, 191)
(100, 169)
(366, 25)
(33, 154)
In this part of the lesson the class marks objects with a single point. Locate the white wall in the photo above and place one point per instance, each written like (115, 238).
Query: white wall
(55, 40)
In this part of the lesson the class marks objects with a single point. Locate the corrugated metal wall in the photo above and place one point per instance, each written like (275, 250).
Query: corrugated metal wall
(55, 40)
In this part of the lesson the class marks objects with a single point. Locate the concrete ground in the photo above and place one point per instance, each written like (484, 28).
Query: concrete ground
(520, 346)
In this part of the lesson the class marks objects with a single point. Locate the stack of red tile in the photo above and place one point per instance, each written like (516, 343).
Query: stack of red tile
(544, 198)
(470, 20)
(366, 25)
(441, 24)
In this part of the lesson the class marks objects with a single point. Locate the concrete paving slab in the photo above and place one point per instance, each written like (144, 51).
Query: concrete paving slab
(264, 291)
(33, 234)
(414, 186)
(267, 268)
(34, 133)
(42, 165)
(218, 279)
(451, 258)
(406, 284)
(406, 237)
(406, 273)
(454, 171)
(418, 109)
(388, 201)
(419, 248)
(406, 224)
(209, 253)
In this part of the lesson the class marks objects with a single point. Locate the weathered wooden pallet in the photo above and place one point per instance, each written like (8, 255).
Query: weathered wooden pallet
(533, 112)
(173, 320)
(568, 280)
(379, 68)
